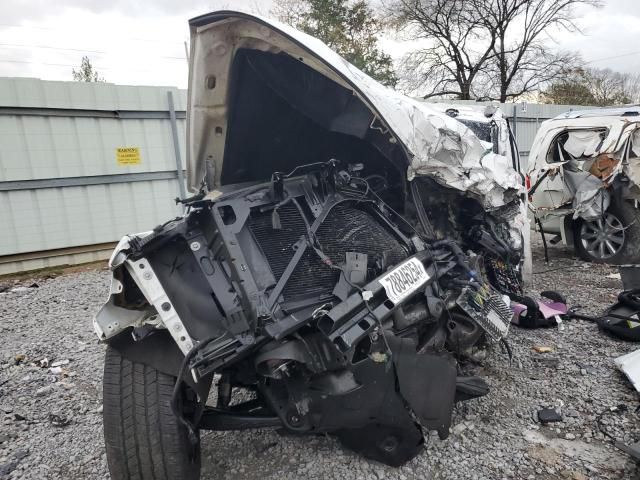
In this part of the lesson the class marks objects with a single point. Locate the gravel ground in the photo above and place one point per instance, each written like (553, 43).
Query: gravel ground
(52, 424)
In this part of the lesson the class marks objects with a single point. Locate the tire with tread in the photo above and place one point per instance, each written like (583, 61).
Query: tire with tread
(144, 440)
(629, 216)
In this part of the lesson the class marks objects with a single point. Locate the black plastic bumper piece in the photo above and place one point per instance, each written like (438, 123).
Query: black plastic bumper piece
(351, 320)
(213, 419)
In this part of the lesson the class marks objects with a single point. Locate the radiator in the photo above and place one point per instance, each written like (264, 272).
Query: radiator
(346, 229)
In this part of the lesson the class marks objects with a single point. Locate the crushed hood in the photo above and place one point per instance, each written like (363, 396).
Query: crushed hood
(430, 142)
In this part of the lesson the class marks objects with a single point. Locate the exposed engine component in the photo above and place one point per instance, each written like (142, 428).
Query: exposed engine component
(306, 290)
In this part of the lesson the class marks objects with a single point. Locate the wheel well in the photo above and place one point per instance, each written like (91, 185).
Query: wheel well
(568, 231)
(160, 351)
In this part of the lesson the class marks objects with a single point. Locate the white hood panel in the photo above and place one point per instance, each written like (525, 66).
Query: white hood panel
(436, 145)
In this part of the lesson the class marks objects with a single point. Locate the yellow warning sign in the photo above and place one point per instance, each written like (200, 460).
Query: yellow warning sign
(128, 155)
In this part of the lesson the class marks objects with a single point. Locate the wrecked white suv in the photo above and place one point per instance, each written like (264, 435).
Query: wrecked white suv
(346, 251)
(584, 170)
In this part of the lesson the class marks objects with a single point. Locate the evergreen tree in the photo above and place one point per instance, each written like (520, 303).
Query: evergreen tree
(348, 27)
(86, 72)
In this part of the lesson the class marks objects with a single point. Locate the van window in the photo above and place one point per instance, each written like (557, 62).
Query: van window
(576, 145)
(481, 129)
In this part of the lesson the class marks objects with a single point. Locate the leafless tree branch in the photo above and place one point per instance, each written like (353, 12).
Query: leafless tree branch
(491, 48)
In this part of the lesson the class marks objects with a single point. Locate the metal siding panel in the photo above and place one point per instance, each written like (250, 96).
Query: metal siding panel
(32, 92)
(54, 218)
(45, 147)
(9, 228)
(102, 209)
(12, 143)
(54, 261)
(51, 147)
(526, 132)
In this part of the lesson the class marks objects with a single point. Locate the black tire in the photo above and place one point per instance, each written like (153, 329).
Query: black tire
(629, 217)
(143, 438)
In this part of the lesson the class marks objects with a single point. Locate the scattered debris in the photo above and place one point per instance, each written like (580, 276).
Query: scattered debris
(44, 363)
(615, 276)
(542, 349)
(58, 420)
(632, 450)
(19, 289)
(630, 275)
(59, 363)
(550, 311)
(18, 359)
(550, 362)
(629, 364)
(46, 390)
(19, 418)
(7, 468)
(549, 415)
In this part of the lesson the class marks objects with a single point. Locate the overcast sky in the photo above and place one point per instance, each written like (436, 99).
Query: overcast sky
(135, 42)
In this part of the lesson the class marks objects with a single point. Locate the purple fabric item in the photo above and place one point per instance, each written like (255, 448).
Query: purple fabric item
(552, 309)
(518, 308)
(547, 310)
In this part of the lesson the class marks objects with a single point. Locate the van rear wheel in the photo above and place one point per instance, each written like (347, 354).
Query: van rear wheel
(612, 238)
(143, 438)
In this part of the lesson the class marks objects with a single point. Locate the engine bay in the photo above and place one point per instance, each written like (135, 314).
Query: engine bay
(314, 294)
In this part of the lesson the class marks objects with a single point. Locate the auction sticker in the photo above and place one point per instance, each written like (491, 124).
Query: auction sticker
(128, 156)
(403, 280)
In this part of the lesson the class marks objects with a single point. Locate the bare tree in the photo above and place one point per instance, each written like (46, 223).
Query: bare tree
(456, 50)
(632, 86)
(497, 49)
(522, 58)
(610, 87)
(594, 86)
(292, 12)
(607, 87)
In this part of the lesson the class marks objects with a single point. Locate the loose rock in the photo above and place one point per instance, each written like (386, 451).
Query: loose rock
(494, 437)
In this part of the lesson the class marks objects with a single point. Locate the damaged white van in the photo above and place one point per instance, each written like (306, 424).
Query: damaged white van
(347, 256)
(584, 170)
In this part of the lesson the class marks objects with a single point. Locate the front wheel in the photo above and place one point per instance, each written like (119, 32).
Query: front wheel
(144, 439)
(612, 238)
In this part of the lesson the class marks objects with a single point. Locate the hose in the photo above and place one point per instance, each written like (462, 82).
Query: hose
(422, 214)
(175, 397)
(457, 252)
